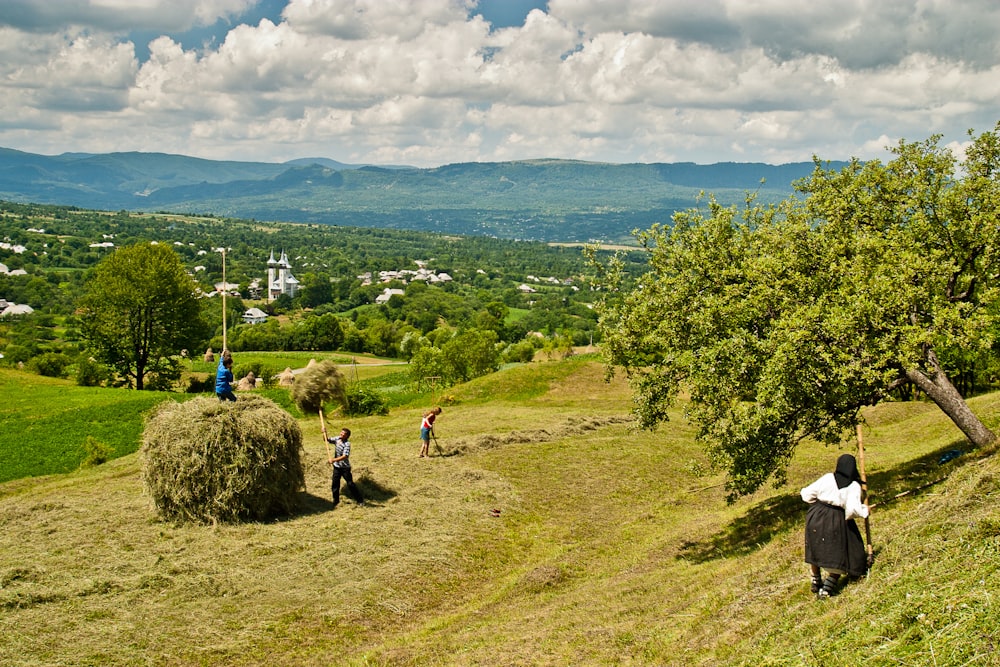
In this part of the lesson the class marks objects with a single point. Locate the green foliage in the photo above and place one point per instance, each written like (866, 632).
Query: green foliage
(95, 452)
(50, 364)
(200, 384)
(89, 373)
(460, 357)
(16, 354)
(141, 308)
(362, 400)
(783, 321)
(522, 352)
(469, 354)
(487, 272)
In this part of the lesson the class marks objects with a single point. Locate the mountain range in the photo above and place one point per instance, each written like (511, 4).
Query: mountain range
(545, 199)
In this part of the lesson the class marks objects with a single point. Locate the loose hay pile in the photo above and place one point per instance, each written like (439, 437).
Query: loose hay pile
(207, 461)
(319, 384)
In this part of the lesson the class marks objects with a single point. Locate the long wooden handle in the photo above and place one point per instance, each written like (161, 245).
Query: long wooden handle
(325, 441)
(864, 492)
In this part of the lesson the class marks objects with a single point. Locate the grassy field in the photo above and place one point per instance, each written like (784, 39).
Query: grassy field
(46, 423)
(608, 550)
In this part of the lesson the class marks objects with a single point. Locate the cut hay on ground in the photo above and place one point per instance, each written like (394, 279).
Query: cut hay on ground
(319, 384)
(206, 461)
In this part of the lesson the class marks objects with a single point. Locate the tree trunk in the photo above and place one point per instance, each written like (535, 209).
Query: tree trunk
(939, 388)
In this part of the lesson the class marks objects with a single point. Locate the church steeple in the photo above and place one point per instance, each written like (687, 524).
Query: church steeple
(279, 277)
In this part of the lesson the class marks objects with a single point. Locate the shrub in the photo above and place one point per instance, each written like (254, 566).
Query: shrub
(89, 373)
(522, 352)
(96, 452)
(206, 460)
(363, 401)
(165, 378)
(200, 384)
(49, 364)
(16, 354)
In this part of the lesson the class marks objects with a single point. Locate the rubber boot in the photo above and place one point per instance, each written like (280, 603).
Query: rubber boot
(829, 587)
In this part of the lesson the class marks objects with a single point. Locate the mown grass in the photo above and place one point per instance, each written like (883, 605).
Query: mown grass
(609, 550)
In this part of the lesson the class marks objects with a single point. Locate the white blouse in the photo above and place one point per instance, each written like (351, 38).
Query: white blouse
(825, 490)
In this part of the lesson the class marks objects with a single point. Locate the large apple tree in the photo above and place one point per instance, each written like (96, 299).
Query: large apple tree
(783, 321)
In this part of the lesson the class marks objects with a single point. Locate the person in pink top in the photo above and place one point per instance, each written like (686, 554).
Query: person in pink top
(833, 541)
(427, 430)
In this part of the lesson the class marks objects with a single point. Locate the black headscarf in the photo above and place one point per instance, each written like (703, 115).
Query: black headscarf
(847, 471)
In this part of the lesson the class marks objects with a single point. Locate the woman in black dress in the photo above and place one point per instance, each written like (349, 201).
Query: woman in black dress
(833, 541)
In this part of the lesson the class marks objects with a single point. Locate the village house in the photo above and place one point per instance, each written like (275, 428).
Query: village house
(255, 316)
(388, 294)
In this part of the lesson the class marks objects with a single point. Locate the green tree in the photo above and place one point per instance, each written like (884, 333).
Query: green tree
(784, 321)
(141, 308)
(315, 290)
(469, 354)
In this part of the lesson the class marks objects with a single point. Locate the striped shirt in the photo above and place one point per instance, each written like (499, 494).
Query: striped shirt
(343, 448)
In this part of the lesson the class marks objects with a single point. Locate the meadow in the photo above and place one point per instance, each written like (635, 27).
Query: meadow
(51, 426)
(612, 546)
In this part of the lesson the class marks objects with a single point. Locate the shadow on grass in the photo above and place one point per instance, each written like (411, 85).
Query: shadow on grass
(371, 491)
(776, 515)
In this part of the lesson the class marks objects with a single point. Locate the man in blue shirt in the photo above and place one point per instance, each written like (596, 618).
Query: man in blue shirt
(341, 461)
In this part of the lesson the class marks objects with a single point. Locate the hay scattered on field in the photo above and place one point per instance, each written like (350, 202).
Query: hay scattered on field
(320, 383)
(206, 461)
(574, 426)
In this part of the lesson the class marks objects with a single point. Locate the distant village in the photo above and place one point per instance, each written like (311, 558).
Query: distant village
(281, 280)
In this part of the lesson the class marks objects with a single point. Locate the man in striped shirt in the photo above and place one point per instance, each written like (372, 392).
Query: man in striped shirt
(341, 461)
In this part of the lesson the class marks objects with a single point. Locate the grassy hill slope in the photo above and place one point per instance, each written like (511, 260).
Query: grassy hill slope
(608, 550)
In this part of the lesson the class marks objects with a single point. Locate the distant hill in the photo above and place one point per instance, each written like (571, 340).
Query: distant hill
(548, 200)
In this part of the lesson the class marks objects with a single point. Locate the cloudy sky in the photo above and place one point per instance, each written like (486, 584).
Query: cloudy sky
(431, 82)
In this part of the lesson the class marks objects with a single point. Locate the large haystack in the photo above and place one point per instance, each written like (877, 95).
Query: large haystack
(319, 384)
(206, 460)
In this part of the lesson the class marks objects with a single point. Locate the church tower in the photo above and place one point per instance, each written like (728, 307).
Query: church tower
(279, 277)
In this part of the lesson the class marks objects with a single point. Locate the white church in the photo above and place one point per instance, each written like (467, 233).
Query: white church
(279, 277)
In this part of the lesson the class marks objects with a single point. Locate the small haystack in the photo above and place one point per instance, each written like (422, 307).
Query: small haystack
(320, 383)
(286, 378)
(209, 356)
(206, 460)
(248, 382)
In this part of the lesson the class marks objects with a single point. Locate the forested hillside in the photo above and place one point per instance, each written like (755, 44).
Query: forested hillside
(545, 200)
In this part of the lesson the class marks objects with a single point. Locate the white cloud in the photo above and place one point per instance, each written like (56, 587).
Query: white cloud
(118, 15)
(422, 83)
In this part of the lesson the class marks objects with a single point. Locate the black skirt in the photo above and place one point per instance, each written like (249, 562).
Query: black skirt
(833, 542)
